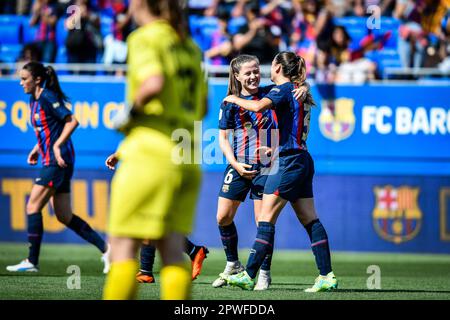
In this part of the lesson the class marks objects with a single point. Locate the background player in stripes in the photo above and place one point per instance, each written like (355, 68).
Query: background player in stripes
(53, 124)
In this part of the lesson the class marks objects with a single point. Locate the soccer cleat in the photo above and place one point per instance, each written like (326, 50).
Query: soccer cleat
(241, 280)
(324, 283)
(106, 259)
(144, 277)
(23, 266)
(264, 281)
(230, 269)
(197, 262)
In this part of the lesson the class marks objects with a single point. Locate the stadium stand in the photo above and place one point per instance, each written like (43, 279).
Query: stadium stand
(383, 39)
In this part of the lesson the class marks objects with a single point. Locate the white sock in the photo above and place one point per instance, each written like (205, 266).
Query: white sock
(233, 264)
(264, 273)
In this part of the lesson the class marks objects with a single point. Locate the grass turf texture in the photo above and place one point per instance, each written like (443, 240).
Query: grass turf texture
(403, 276)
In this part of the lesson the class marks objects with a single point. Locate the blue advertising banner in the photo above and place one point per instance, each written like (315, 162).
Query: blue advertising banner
(382, 159)
(370, 129)
(370, 213)
(94, 104)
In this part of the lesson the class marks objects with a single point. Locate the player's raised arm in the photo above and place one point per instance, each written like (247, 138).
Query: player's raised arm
(251, 105)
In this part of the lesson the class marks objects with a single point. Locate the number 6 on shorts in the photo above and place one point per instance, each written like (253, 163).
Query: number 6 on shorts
(228, 177)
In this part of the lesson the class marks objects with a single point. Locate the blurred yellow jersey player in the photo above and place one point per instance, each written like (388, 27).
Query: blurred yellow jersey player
(153, 196)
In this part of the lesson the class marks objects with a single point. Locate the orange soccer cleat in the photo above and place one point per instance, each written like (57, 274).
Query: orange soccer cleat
(143, 277)
(197, 263)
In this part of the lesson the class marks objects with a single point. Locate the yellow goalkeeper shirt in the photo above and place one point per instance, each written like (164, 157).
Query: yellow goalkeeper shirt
(156, 49)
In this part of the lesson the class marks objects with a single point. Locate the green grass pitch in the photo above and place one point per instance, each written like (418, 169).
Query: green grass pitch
(403, 276)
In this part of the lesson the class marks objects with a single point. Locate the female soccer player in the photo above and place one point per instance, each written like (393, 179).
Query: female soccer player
(291, 180)
(153, 193)
(196, 253)
(252, 132)
(53, 124)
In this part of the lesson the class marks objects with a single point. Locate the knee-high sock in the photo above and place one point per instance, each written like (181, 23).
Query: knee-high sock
(320, 246)
(190, 248)
(80, 227)
(176, 282)
(121, 282)
(268, 259)
(262, 247)
(229, 237)
(147, 258)
(35, 232)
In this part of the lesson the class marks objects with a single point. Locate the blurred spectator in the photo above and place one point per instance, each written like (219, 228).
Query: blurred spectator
(30, 52)
(303, 36)
(44, 15)
(8, 7)
(412, 40)
(221, 49)
(444, 52)
(61, 7)
(386, 6)
(432, 17)
(224, 5)
(256, 37)
(84, 40)
(23, 7)
(349, 65)
(278, 14)
(339, 8)
(115, 43)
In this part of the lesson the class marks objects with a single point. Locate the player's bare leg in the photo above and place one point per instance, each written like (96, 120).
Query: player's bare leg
(63, 211)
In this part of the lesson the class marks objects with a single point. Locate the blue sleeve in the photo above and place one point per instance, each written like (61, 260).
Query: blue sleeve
(226, 120)
(56, 108)
(278, 97)
(265, 90)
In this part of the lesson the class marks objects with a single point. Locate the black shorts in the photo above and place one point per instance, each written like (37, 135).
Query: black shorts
(293, 178)
(55, 177)
(235, 187)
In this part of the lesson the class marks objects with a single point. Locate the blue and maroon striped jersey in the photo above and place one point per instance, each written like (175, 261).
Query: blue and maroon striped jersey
(251, 130)
(47, 117)
(46, 32)
(293, 117)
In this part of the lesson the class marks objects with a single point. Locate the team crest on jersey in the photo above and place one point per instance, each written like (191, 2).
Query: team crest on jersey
(55, 105)
(397, 217)
(337, 119)
(248, 125)
(225, 188)
(36, 116)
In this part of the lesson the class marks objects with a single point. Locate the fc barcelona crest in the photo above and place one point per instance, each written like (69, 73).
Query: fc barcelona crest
(397, 217)
(337, 119)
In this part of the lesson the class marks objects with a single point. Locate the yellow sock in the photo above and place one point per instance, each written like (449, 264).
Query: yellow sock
(176, 282)
(121, 281)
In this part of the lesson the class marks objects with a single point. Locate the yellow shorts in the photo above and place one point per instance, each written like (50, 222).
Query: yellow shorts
(150, 195)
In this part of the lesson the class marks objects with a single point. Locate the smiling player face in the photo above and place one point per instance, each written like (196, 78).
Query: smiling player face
(249, 76)
(27, 82)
